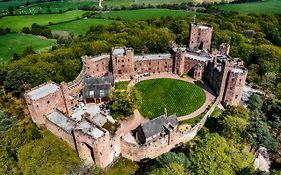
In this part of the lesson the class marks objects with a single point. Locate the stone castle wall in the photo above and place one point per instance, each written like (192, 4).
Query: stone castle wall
(59, 132)
(153, 66)
(200, 36)
(39, 108)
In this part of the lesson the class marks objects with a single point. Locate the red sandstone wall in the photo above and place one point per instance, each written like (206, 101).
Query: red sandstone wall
(189, 65)
(97, 68)
(153, 66)
(59, 132)
(234, 89)
(123, 65)
(45, 105)
(200, 37)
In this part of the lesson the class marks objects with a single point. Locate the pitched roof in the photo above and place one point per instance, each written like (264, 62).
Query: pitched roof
(158, 125)
(61, 121)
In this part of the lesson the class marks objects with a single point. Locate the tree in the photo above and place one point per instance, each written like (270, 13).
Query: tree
(172, 157)
(169, 169)
(120, 104)
(213, 155)
(28, 50)
(46, 156)
(274, 117)
(259, 135)
(255, 101)
(25, 30)
(6, 122)
(268, 81)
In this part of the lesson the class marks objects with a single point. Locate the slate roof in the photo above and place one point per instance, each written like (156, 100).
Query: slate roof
(94, 86)
(90, 129)
(157, 125)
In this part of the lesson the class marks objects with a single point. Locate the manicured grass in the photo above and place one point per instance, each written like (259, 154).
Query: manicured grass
(16, 23)
(16, 43)
(265, 6)
(122, 85)
(179, 97)
(145, 14)
(80, 26)
(123, 166)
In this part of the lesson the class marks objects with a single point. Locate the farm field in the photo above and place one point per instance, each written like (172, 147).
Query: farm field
(265, 6)
(179, 97)
(16, 43)
(145, 14)
(79, 27)
(55, 6)
(13, 3)
(16, 23)
(127, 3)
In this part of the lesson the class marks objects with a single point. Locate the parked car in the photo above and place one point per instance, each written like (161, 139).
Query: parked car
(83, 106)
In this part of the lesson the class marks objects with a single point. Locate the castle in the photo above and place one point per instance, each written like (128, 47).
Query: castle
(53, 105)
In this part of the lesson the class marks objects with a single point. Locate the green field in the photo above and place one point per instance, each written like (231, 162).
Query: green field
(16, 43)
(16, 23)
(13, 3)
(80, 26)
(55, 6)
(265, 6)
(179, 97)
(145, 14)
(127, 3)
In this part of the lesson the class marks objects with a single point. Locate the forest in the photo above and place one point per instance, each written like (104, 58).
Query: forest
(227, 142)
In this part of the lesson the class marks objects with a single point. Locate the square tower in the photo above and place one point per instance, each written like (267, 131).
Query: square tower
(200, 36)
(123, 63)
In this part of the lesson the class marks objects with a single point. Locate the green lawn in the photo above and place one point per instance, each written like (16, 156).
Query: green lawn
(16, 43)
(80, 26)
(265, 6)
(16, 23)
(145, 14)
(123, 166)
(177, 96)
(121, 85)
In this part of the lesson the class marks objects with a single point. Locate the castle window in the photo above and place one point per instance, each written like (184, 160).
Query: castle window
(165, 66)
(149, 68)
(102, 93)
(157, 68)
(119, 71)
(140, 64)
(158, 62)
(48, 102)
(128, 59)
(166, 62)
(236, 96)
(230, 88)
(135, 69)
(122, 61)
(88, 67)
(37, 106)
(149, 63)
(123, 65)
(93, 71)
(102, 63)
(97, 65)
(118, 61)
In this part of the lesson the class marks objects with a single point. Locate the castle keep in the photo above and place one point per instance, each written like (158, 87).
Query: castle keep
(56, 106)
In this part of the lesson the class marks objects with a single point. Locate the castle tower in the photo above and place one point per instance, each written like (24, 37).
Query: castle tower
(179, 61)
(234, 86)
(200, 36)
(123, 63)
(198, 71)
(226, 67)
(224, 49)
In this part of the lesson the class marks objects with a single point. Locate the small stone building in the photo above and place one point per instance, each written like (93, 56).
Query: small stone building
(156, 128)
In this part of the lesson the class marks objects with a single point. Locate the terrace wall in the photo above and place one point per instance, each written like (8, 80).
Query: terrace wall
(154, 66)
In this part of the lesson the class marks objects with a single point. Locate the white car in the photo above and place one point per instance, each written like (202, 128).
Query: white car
(83, 106)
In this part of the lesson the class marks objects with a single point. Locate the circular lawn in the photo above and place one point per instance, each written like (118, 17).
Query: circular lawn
(179, 97)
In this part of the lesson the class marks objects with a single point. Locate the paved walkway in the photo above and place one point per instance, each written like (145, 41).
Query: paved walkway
(131, 124)
(209, 97)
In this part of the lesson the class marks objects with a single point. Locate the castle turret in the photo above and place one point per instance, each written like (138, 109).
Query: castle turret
(200, 36)
(198, 71)
(224, 49)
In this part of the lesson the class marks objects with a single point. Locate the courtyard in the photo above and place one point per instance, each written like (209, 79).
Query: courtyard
(176, 96)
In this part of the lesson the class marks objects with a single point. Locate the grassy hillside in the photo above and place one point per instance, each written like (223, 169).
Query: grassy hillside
(16, 23)
(145, 14)
(80, 26)
(265, 6)
(16, 43)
